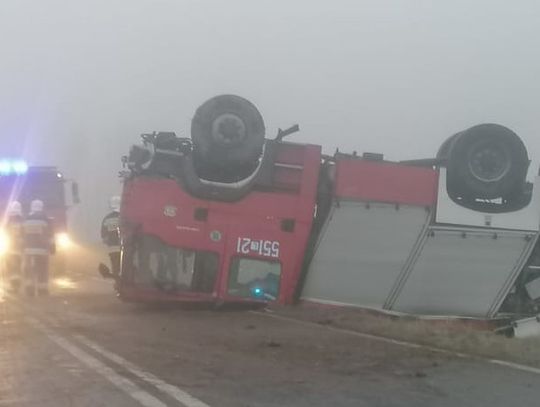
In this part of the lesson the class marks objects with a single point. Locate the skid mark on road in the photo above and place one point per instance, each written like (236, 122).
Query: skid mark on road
(122, 383)
(173, 391)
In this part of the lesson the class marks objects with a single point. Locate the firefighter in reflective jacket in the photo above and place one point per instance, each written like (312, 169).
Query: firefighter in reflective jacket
(38, 244)
(110, 234)
(13, 229)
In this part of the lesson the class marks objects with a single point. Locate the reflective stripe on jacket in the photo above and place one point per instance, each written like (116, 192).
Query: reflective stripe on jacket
(37, 234)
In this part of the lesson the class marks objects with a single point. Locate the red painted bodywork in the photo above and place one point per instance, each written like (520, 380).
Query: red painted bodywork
(380, 181)
(257, 216)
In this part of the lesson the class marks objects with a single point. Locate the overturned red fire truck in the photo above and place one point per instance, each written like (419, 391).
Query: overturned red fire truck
(232, 216)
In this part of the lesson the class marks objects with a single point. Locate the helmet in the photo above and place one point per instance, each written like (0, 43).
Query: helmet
(114, 203)
(36, 206)
(15, 209)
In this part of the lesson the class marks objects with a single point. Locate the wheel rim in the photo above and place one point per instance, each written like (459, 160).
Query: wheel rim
(489, 162)
(229, 129)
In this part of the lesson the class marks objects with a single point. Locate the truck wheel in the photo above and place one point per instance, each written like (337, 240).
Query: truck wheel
(445, 148)
(227, 130)
(486, 161)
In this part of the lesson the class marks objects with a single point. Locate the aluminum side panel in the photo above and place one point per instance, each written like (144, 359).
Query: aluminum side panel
(462, 272)
(361, 253)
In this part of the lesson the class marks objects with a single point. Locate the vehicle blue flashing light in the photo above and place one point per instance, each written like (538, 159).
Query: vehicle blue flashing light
(5, 167)
(17, 167)
(257, 291)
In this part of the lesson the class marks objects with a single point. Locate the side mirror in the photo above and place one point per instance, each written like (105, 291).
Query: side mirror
(75, 193)
(105, 271)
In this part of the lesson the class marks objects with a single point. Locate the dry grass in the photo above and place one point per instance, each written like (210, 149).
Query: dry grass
(448, 335)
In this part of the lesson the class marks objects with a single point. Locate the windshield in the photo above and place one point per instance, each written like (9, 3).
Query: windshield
(254, 278)
(47, 187)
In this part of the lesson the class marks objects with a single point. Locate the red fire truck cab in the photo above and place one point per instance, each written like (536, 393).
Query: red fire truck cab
(182, 247)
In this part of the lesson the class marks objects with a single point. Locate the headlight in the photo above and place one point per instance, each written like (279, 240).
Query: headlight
(64, 283)
(4, 242)
(63, 241)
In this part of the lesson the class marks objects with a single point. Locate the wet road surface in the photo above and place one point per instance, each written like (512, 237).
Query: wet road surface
(82, 347)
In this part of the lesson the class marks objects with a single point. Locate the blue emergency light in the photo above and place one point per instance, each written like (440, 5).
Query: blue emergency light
(257, 291)
(10, 167)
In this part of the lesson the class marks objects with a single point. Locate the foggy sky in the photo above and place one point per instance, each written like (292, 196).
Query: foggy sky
(80, 80)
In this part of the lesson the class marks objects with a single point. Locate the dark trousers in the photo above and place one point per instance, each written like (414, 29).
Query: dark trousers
(14, 270)
(36, 273)
(115, 263)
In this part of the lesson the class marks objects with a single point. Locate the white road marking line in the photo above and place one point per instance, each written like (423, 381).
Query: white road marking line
(20, 401)
(122, 383)
(173, 391)
(412, 345)
(516, 366)
(176, 393)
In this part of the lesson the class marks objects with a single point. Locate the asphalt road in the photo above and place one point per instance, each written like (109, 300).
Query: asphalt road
(82, 347)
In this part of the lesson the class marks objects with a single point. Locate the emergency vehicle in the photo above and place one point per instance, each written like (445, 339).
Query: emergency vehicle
(232, 216)
(24, 183)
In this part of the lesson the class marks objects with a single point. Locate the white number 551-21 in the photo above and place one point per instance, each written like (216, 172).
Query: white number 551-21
(267, 248)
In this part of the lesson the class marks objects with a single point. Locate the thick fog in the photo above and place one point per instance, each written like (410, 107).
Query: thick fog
(80, 80)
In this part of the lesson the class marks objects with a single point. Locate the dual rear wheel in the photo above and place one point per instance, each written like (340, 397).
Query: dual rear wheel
(487, 161)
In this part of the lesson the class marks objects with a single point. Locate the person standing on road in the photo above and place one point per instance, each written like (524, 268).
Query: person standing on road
(13, 229)
(110, 234)
(38, 244)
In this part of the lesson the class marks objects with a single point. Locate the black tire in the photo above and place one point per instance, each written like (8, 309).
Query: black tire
(487, 161)
(227, 131)
(446, 147)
